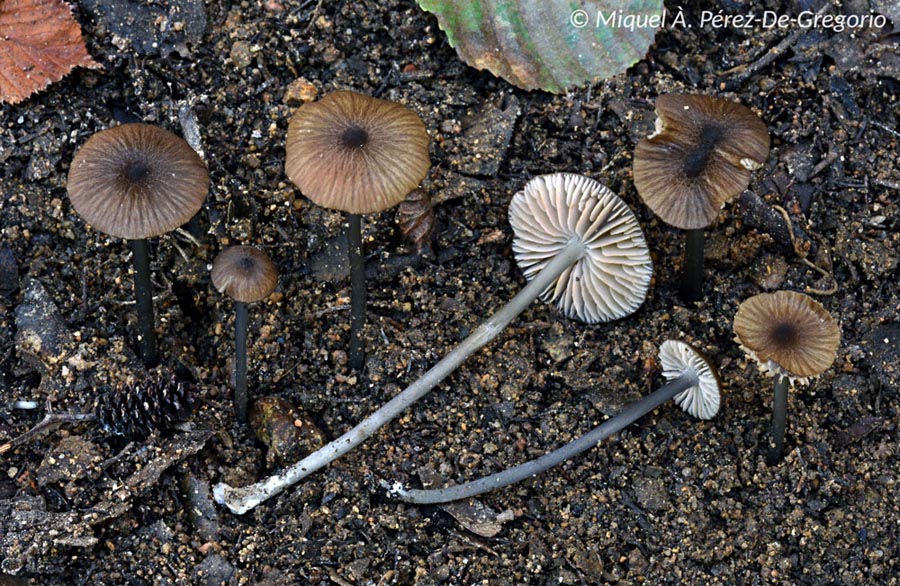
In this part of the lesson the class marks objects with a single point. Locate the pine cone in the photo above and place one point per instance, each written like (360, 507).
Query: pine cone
(137, 410)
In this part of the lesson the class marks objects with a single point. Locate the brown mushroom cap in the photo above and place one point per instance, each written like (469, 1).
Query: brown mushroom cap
(244, 273)
(611, 280)
(354, 153)
(699, 158)
(789, 334)
(137, 181)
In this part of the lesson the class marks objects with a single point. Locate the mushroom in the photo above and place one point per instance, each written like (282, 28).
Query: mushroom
(693, 383)
(245, 274)
(137, 181)
(581, 248)
(698, 159)
(793, 339)
(360, 155)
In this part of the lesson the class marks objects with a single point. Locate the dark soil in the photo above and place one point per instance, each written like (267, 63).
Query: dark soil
(671, 500)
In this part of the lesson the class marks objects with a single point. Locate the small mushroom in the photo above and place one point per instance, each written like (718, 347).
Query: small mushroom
(699, 158)
(360, 155)
(581, 248)
(793, 339)
(137, 181)
(245, 274)
(693, 383)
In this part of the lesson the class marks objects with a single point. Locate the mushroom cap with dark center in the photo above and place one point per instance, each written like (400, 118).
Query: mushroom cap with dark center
(789, 334)
(699, 158)
(701, 400)
(244, 273)
(137, 181)
(354, 153)
(612, 278)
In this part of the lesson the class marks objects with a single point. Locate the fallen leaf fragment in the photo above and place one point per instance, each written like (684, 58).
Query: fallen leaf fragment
(40, 43)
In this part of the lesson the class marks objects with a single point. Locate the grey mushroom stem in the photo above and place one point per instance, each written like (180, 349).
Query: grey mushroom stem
(241, 500)
(779, 420)
(624, 418)
(143, 296)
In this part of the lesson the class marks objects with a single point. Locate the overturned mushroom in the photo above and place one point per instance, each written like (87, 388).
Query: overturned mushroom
(580, 247)
(247, 275)
(792, 338)
(360, 155)
(693, 383)
(699, 158)
(138, 181)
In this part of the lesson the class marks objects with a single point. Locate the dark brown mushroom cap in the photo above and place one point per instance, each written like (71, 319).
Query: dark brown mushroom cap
(354, 153)
(244, 273)
(789, 334)
(611, 279)
(699, 158)
(137, 181)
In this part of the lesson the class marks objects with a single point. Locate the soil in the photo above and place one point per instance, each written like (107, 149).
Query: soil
(670, 500)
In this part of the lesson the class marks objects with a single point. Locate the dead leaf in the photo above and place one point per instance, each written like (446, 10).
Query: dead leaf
(40, 44)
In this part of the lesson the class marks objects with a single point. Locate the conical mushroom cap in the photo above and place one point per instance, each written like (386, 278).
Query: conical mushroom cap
(702, 400)
(789, 334)
(244, 273)
(136, 181)
(611, 280)
(354, 153)
(699, 158)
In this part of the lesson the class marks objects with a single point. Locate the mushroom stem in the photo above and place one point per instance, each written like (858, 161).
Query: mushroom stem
(779, 419)
(692, 277)
(240, 360)
(624, 418)
(143, 296)
(357, 351)
(241, 500)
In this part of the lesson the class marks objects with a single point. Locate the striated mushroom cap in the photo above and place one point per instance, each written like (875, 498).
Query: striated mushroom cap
(788, 334)
(354, 153)
(699, 158)
(244, 273)
(701, 400)
(612, 278)
(136, 181)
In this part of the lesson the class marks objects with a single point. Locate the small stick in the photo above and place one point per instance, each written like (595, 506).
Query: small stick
(790, 225)
(50, 422)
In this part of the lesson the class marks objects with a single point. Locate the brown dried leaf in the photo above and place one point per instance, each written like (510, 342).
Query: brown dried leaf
(416, 219)
(40, 44)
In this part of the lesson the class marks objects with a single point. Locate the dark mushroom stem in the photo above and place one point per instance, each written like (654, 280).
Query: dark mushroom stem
(692, 275)
(143, 295)
(624, 418)
(779, 419)
(357, 349)
(240, 360)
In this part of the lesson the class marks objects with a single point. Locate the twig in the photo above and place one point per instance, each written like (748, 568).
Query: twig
(886, 127)
(889, 184)
(50, 422)
(745, 70)
(801, 256)
(188, 236)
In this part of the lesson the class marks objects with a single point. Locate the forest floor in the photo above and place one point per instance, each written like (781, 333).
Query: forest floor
(670, 500)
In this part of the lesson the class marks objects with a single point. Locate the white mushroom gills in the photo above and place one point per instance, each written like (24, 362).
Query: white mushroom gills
(592, 239)
(611, 278)
(692, 384)
(702, 399)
